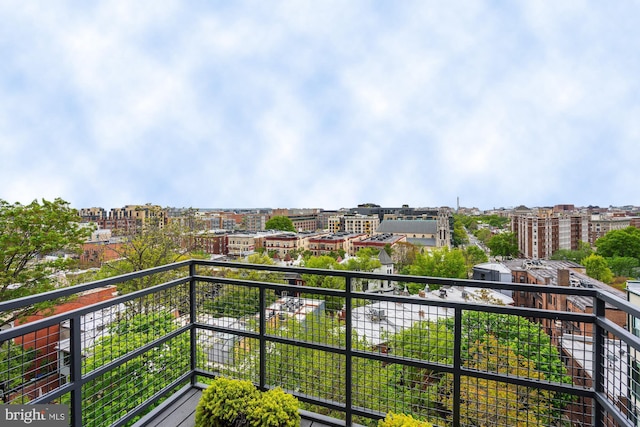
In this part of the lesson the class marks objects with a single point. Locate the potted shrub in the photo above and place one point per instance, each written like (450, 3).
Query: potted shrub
(227, 402)
(398, 420)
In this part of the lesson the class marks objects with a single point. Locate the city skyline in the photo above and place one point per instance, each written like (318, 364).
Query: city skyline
(299, 104)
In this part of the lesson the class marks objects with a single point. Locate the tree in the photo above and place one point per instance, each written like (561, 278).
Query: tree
(598, 268)
(326, 262)
(34, 239)
(624, 266)
(238, 300)
(154, 245)
(365, 260)
(280, 223)
(503, 244)
(489, 403)
(442, 262)
(459, 233)
(490, 342)
(483, 234)
(622, 243)
(473, 255)
(583, 251)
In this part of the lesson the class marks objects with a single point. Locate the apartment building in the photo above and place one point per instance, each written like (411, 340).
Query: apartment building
(541, 233)
(354, 223)
(125, 219)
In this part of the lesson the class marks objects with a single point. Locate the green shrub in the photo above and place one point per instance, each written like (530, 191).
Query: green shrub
(400, 420)
(274, 408)
(237, 403)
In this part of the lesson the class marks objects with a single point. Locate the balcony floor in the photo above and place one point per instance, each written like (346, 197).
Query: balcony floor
(181, 413)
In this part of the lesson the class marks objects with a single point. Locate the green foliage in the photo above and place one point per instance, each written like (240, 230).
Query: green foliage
(402, 420)
(459, 232)
(483, 235)
(280, 223)
(621, 243)
(111, 395)
(526, 337)
(473, 255)
(274, 408)
(28, 234)
(224, 401)
(228, 402)
(583, 251)
(598, 268)
(503, 244)
(443, 262)
(324, 281)
(365, 260)
(153, 246)
(624, 266)
(489, 403)
(16, 363)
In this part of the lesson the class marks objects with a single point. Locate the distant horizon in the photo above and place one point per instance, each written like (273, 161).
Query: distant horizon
(355, 206)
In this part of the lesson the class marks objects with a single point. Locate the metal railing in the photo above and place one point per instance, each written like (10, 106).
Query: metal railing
(457, 352)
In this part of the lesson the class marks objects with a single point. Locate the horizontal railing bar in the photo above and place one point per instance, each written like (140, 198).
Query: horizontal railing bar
(27, 301)
(67, 315)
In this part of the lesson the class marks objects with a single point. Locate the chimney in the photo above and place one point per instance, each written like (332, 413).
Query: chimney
(563, 277)
(563, 280)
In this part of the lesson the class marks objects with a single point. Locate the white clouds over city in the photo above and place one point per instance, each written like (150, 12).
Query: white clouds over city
(319, 104)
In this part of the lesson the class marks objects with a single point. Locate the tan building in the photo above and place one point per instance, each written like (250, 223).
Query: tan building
(241, 245)
(354, 223)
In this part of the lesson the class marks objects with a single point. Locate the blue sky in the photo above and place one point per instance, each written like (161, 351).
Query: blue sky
(320, 104)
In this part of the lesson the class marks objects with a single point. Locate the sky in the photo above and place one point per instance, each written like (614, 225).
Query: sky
(320, 104)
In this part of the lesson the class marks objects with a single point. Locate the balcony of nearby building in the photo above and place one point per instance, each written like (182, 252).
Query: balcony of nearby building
(456, 353)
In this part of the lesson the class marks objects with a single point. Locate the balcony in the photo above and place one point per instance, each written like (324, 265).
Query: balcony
(457, 356)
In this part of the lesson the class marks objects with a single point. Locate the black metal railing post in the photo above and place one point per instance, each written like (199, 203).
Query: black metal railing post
(192, 321)
(599, 346)
(263, 341)
(457, 364)
(348, 396)
(76, 370)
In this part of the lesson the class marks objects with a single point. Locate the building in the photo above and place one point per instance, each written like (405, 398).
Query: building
(561, 273)
(286, 243)
(429, 233)
(541, 233)
(335, 243)
(354, 223)
(241, 244)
